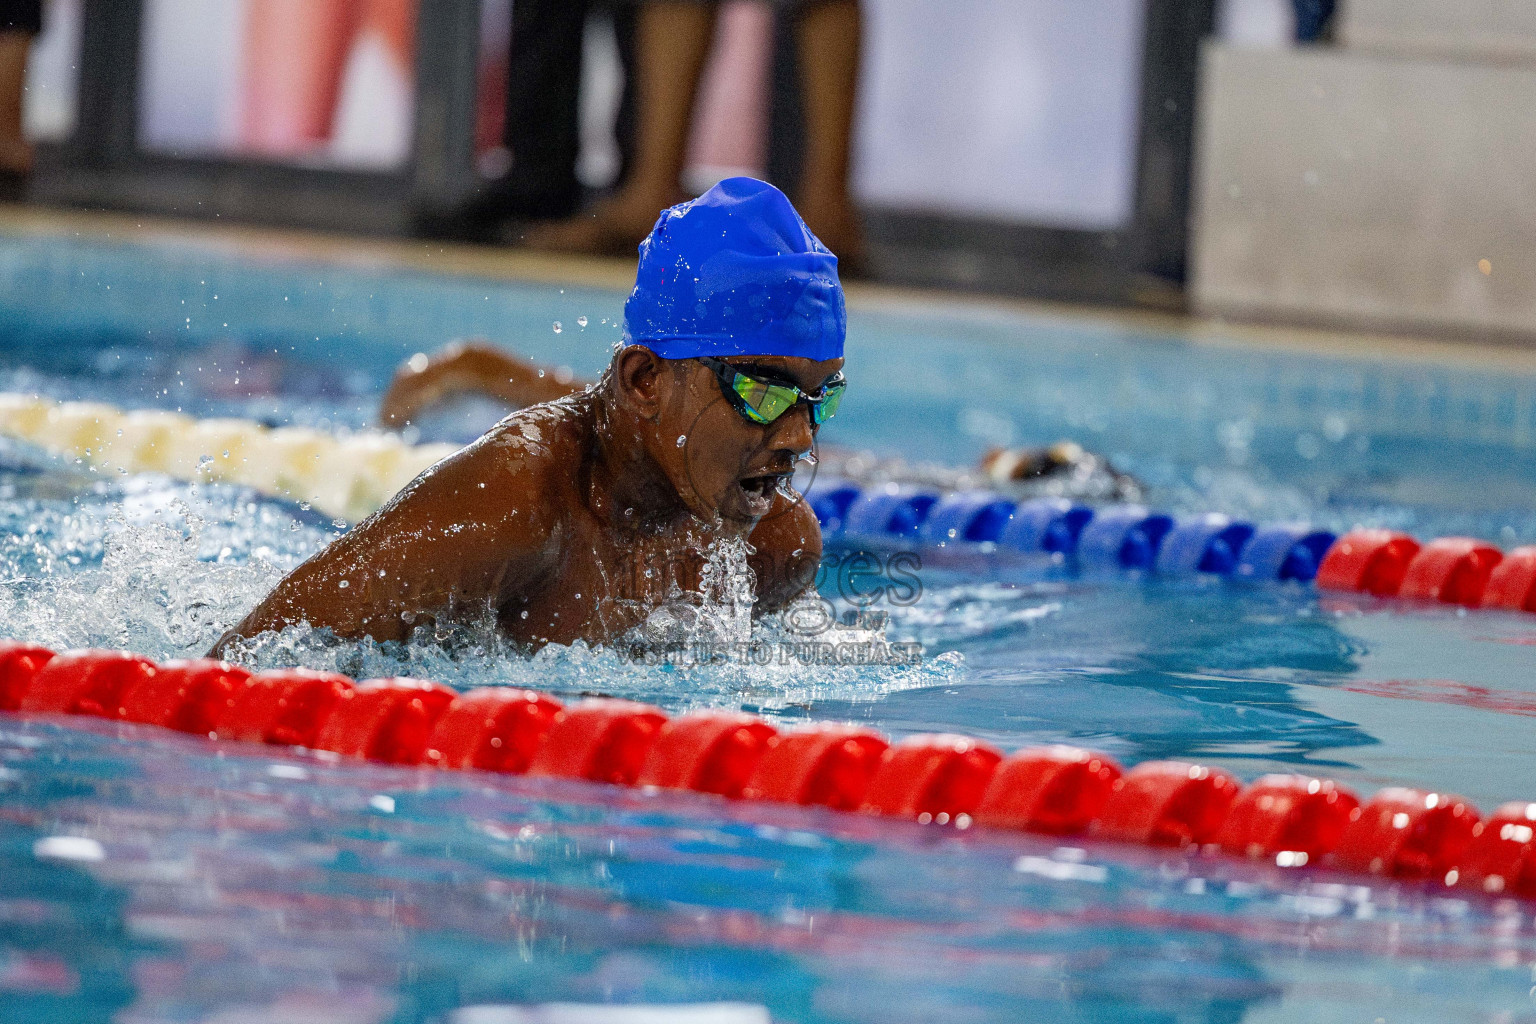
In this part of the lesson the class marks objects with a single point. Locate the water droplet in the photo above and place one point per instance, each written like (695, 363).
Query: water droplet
(343, 584)
(810, 458)
(682, 439)
(581, 321)
(558, 328)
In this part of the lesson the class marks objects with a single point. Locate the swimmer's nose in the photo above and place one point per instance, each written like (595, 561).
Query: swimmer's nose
(793, 430)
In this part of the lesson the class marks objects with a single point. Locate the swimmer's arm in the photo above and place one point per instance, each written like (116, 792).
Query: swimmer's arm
(463, 533)
(788, 543)
(474, 367)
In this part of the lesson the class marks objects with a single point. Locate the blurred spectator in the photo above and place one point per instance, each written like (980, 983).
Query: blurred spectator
(297, 54)
(20, 22)
(672, 40)
(542, 119)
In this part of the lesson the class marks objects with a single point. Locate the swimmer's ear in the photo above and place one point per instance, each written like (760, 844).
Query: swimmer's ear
(639, 374)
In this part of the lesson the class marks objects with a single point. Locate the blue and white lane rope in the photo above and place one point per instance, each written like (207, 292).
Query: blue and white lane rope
(1111, 537)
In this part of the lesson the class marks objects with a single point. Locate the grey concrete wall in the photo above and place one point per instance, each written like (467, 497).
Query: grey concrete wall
(1484, 30)
(1353, 189)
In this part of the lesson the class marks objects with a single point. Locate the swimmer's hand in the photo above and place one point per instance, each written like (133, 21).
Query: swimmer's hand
(470, 367)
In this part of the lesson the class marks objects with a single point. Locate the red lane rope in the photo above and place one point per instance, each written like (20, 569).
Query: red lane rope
(1450, 570)
(1291, 820)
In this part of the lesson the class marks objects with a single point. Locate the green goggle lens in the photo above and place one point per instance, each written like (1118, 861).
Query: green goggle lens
(763, 402)
(831, 398)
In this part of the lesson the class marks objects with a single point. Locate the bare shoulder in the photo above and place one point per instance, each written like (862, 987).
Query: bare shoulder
(788, 550)
(489, 517)
(523, 467)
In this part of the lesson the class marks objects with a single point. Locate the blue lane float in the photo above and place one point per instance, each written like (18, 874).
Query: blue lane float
(889, 511)
(1284, 551)
(968, 517)
(830, 500)
(1207, 543)
(1122, 537)
(1110, 538)
(1051, 525)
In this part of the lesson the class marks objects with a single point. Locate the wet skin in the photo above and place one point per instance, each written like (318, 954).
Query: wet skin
(574, 519)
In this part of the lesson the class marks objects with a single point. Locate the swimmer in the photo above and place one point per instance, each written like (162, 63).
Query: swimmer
(576, 518)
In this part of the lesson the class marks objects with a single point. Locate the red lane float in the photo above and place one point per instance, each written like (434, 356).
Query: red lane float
(600, 740)
(1401, 833)
(386, 720)
(1502, 857)
(708, 752)
(18, 664)
(1408, 833)
(1367, 561)
(1057, 790)
(188, 696)
(1451, 570)
(89, 682)
(493, 728)
(1168, 803)
(287, 707)
(932, 778)
(1512, 584)
(825, 765)
(1292, 818)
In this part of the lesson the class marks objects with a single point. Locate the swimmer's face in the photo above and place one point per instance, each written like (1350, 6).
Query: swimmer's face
(726, 465)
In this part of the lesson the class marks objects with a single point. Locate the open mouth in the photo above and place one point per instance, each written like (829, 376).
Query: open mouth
(759, 490)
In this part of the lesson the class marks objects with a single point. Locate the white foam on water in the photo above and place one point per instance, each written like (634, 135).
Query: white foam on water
(164, 569)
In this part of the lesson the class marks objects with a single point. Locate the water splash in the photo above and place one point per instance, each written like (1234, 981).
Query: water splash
(165, 568)
(157, 587)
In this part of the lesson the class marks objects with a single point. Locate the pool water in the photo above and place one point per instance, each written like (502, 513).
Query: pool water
(152, 877)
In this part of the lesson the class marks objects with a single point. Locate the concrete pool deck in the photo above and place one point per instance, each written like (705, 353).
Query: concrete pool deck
(496, 263)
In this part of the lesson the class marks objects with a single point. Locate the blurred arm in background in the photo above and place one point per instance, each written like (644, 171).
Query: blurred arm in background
(471, 367)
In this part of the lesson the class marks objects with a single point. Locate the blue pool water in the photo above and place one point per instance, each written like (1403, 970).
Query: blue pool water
(150, 877)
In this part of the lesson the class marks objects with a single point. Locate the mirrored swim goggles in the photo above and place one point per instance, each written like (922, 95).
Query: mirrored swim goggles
(762, 401)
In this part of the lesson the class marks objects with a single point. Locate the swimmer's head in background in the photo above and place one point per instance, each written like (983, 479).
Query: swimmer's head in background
(736, 272)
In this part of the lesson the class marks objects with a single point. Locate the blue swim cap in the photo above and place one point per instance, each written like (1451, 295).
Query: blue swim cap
(736, 272)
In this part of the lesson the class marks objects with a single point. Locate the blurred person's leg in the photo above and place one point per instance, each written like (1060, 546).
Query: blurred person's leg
(672, 40)
(541, 126)
(295, 51)
(20, 22)
(624, 17)
(543, 108)
(827, 34)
